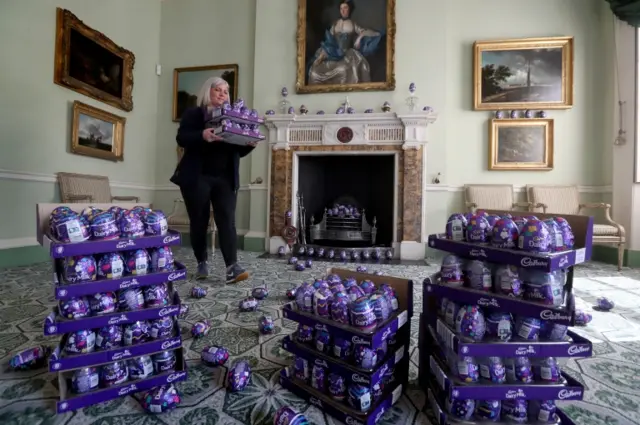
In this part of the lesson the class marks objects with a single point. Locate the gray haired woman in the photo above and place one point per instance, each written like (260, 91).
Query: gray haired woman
(208, 177)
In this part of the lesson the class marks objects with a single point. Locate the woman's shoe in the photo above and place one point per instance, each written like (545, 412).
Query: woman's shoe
(203, 271)
(236, 274)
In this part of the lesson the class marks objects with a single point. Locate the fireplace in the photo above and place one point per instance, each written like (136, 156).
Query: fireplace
(328, 158)
(360, 182)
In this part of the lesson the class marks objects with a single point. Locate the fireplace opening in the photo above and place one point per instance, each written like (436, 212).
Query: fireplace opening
(335, 189)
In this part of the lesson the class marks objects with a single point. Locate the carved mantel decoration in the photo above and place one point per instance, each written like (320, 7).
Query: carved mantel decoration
(403, 135)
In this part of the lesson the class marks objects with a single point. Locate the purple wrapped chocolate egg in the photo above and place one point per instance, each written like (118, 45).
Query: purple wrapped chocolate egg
(342, 348)
(337, 387)
(470, 322)
(200, 329)
(556, 239)
(488, 410)
(381, 306)
(355, 256)
(281, 251)
(30, 358)
(164, 361)
(366, 256)
(494, 370)
(520, 222)
(504, 234)
(519, 370)
(362, 315)
(528, 328)
(349, 282)
(70, 228)
(365, 357)
(467, 369)
(103, 303)
(478, 229)
(604, 304)
(388, 255)
(109, 337)
(75, 308)
(304, 334)
(321, 300)
(301, 369)
(248, 304)
(320, 284)
(567, 234)
(304, 298)
(388, 290)
(499, 326)
(82, 341)
(104, 226)
(544, 288)
(544, 411)
(492, 219)
(239, 376)
(456, 227)
(582, 318)
(331, 254)
(333, 279)
(137, 262)
(451, 313)
(361, 269)
(376, 255)
(291, 293)
(260, 293)
(320, 253)
(507, 281)
(354, 292)
(140, 367)
(162, 260)
(461, 408)
(198, 292)
(339, 287)
(161, 328)
(308, 263)
(451, 272)
(214, 355)
(359, 397)
(80, 269)
(156, 295)
(535, 237)
(136, 332)
(339, 308)
(323, 341)
(160, 399)
(155, 223)
(478, 275)
(299, 267)
(547, 370)
(84, 380)
(368, 287)
(515, 410)
(287, 416)
(110, 266)
(130, 224)
(130, 299)
(302, 250)
(554, 331)
(343, 255)
(311, 251)
(266, 325)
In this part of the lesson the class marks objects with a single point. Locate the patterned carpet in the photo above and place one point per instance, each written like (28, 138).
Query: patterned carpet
(27, 398)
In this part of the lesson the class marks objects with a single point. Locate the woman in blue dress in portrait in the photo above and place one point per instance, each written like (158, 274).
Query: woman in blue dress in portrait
(341, 58)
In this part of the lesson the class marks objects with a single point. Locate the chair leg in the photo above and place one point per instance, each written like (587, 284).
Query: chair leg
(620, 255)
(213, 241)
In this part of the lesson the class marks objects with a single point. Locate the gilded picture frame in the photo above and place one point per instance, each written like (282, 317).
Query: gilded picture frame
(90, 63)
(521, 144)
(530, 73)
(97, 133)
(324, 65)
(187, 83)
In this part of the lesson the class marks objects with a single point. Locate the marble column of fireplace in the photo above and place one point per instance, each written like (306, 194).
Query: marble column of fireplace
(402, 135)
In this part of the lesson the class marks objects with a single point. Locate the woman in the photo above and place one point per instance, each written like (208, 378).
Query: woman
(208, 176)
(341, 58)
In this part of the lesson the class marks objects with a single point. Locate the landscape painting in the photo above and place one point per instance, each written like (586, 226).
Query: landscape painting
(521, 144)
(188, 82)
(523, 74)
(97, 133)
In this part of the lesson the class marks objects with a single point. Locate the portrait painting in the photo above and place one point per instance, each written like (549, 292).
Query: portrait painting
(521, 144)
(523, 74)
(188, 82)
(90, 63)
(97, 133)
(345, 45)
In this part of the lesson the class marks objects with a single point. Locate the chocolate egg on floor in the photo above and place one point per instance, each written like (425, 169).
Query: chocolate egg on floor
(160, 399)
(308, 264)
(582, 318)
(198, 292)
(361, 269)
(287, 416)
(291, 293)
(299, 267)
(604, 304)
(239, 376)
(214, 356)
(200, 329)
(31, 358)
(260, 293)
(248, 304)
(281, 251)
(293, 260)
(266, 325)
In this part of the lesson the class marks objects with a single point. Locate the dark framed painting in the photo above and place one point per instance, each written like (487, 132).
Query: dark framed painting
(345, 45)
(90, 63)
(189, 82)
(97, 133)
(521, 144)
(532, 73)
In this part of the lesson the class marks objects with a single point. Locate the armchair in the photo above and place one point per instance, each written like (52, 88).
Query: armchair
(491, 197)
(566, 200)
(86, 188)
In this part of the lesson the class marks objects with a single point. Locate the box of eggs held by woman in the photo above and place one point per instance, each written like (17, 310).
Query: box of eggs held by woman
(236, 124)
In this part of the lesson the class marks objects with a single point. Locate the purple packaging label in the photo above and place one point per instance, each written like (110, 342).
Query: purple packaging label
(318, 375)
(548, 370)
(468, 370)
(494, 370)
(113, 374)
(499, 326)
(528, 328)
(164, 361)
(515, 410)
(452, 275)
(301, 369)
(360, 397)
(455, 229)
(337, 387)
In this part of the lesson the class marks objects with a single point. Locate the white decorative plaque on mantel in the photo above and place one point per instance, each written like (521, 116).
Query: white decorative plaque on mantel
(388, 128)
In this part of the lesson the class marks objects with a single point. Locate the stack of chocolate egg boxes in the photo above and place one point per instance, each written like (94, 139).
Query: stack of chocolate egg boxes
(90, 375)
(475, 378)
(384, 380)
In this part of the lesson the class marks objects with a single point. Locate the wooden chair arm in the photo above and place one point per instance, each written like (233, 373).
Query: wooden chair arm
(125, 198)
(607, 214)
(175, 206)
(471, 206)
(541, 205)
(524, 204)
(76, 198)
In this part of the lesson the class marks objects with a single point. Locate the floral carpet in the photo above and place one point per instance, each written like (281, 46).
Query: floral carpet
(28, 398)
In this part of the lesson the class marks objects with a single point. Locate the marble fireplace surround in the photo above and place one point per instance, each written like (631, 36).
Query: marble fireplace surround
(401, 135)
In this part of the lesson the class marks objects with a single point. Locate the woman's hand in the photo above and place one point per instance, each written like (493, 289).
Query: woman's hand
(209, 136)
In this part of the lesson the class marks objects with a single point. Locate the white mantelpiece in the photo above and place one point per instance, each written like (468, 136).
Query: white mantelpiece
(291, 132)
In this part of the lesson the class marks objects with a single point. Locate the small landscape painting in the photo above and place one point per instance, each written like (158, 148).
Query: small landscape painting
(523, 74)
(188, 82)
(521, 144)
(97, 133)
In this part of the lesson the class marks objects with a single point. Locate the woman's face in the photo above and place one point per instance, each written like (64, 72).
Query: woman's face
(344, 10)
(219, 94)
